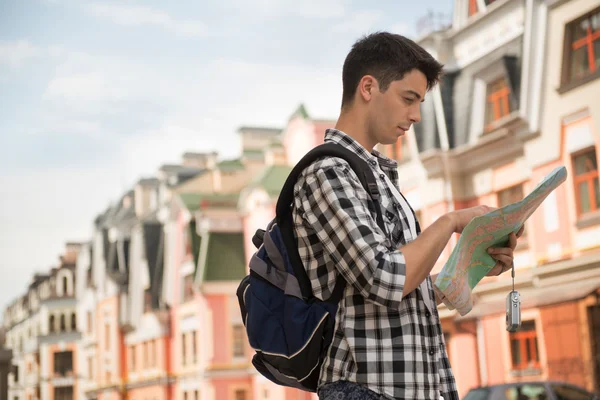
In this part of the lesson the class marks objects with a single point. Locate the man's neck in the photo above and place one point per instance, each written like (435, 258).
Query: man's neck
(356, 127)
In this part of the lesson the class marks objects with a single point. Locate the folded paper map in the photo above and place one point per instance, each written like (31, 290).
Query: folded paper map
(470, 262)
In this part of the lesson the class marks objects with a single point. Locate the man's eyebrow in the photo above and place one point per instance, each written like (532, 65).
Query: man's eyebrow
(417, 95)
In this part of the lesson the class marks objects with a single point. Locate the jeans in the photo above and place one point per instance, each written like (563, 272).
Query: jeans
(344, 390)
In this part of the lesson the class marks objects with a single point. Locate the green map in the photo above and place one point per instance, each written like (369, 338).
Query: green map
(470, 262)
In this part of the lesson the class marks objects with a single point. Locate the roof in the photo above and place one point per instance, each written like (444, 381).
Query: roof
(199, 154)
(148, 182)
(272, 179)
(231, 164)
(254, 154)
(195, 201)
(229, 183)
(224, 259)
(300, 112)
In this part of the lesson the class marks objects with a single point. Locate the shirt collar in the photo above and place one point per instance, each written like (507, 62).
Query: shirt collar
(341, 138)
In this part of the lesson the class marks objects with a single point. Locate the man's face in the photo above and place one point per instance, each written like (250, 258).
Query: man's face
(394, 111)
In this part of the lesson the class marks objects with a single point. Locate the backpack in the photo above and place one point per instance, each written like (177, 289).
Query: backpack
(289, 329)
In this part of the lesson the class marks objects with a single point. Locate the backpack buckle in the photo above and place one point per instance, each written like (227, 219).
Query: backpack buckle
(374, 190)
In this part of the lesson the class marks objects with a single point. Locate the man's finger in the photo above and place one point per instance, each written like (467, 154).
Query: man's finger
(504, 259)
(520, 231)
(508, 251)
(512, 240)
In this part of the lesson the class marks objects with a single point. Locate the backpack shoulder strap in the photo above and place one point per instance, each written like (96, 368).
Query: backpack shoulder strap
(358, 165)
(284, 207)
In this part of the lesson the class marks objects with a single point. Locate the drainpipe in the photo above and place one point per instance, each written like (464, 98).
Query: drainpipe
(483, 378)
(526, 62)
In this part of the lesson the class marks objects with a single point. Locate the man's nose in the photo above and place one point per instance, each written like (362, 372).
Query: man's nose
(415, 116)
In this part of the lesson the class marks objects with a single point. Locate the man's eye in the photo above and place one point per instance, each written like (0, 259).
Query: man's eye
(408, 100)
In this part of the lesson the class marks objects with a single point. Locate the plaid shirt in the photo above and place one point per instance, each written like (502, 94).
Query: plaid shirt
(389, 342)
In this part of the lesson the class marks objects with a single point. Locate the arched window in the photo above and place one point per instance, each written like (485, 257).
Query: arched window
(51, 327)
(73, 322)
(63, 323)
(65, 286)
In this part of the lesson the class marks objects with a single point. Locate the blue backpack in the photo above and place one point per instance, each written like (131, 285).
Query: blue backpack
(290, 329)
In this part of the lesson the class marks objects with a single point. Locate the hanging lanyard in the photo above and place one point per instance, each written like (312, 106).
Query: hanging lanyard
(412, 224)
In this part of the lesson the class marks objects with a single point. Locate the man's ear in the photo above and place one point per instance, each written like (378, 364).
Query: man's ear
(366, 87)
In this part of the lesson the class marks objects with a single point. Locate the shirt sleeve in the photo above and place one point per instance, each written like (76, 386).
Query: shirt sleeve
(335, 207)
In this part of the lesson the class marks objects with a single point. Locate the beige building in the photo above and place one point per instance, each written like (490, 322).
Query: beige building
(42, 332)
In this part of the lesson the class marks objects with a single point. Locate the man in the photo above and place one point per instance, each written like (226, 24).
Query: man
(388, 341)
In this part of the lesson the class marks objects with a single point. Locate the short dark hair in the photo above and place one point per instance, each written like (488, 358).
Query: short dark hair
(387, 57)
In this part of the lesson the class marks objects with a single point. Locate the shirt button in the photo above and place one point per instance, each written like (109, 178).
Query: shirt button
(428, 314)
(431, 352)
(373, 162)
(382, 176)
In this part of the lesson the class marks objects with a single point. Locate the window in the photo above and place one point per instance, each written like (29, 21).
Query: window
(146, 356)
(185, 395)
(51, 323)
(240, 394)
(526, 392)
(474, 8)
(196, 395)
(16, 373)
(188, 287)
(153, 350)
(147, 300)
(73, 322)
(65, 283)
(183, 355)
(524, 347)
(498, 102)
(587, 190)
(63, 363)
(106, 336)
(132, 358)
(194, 348)
(582, 47)
(63, 393)
(238, 341)
(63, 323)
(568, 392)
(89, 322)
(90, 367)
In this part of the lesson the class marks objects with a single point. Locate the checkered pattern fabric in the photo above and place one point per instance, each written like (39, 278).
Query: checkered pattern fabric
(387, 341)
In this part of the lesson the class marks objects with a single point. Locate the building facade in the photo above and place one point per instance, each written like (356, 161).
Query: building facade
(515, 103)
(42, 332)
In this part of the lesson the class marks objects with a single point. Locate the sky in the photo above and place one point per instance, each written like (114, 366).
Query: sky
(95, 95)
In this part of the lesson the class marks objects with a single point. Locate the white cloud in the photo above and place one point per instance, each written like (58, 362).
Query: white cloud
(131, 15)
(14, 54)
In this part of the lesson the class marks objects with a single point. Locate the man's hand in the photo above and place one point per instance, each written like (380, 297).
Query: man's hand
(461, 218)
(504, 255)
